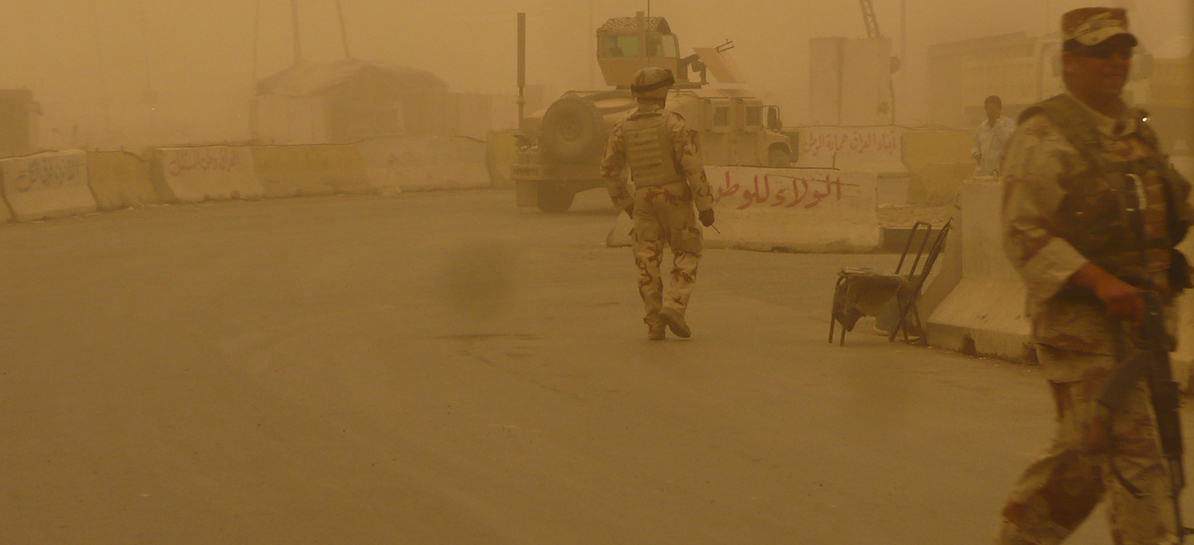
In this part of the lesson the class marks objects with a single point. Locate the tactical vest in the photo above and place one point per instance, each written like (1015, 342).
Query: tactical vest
(649, 150)
(1099, 214)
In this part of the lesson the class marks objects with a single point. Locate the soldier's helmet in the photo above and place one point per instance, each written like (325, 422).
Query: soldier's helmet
(652, 82)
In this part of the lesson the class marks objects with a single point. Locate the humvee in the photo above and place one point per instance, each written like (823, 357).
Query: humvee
(561, 147)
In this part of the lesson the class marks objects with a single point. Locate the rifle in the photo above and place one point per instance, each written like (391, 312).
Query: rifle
(1150, 362)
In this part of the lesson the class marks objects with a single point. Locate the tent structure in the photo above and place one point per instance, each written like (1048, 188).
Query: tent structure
(348, 100)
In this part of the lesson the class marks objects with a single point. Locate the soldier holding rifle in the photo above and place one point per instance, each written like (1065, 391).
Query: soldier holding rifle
(1091, 214)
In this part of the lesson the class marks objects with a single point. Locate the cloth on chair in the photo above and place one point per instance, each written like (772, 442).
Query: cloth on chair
(863, 292)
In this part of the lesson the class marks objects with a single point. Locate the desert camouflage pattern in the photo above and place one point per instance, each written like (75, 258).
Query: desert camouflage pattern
(685, 148)
(1091, 26)
(663, 214)
(647, 142)
(1066, 481)
(1041, 167)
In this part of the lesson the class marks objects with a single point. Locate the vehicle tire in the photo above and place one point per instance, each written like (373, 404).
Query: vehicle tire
(779, 158)
(573, 131)
(555, 198)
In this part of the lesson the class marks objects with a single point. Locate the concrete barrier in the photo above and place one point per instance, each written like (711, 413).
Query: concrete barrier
(500, 154)
(424, 163)
(862, 149)
(204, 174)
(938, 161)
(813, 210)
(984, 312)
(120, 179)
(47, 185)
(292, 171)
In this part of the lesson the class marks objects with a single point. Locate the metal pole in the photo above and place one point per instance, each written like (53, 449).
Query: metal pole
(596, 46)
(298, 45)
(642, 38)
(522, 66)
(903, 57)
(256, 41)
(343, 29)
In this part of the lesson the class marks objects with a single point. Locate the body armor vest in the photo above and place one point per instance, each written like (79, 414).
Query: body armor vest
(649, 150)
(1114, 207)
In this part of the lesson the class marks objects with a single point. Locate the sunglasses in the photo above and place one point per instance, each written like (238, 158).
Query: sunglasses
(1105, 50)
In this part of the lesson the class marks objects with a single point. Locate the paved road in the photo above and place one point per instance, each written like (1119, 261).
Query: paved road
(445, 368)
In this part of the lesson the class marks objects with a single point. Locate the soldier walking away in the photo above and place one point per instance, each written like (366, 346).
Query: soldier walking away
(665, 166)
(1091, 213)
(991, 137)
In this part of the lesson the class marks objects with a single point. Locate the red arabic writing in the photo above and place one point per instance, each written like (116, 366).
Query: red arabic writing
(778, 191)
(856, 141)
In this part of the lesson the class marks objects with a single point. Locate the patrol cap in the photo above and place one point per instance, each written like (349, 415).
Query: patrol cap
(1093, 26)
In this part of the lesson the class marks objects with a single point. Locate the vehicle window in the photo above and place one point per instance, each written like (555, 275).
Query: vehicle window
(613, 47)
(661, 46)
(721, 116)
(669, 47)
(754, 115)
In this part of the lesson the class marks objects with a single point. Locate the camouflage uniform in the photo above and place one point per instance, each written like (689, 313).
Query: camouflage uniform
(1061, 210)
(663, 211)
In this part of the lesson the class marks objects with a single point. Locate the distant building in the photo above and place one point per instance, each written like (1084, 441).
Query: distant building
(1023, 70)
(18, 122)
(349, 100)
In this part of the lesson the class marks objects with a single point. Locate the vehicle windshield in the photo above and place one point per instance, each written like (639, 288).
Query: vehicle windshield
(613, 47)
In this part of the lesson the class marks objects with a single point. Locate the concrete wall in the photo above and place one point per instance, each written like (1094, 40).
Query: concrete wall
(202, 174)
(501, 152)
(985, 311)
(47, 185)
(421, 164)
(866, 149)
(120, 179)
(290, 171)
(812, 210)
(938, 161)
(850, 81)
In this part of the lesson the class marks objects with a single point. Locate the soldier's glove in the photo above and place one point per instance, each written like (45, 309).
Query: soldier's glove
(707, 218)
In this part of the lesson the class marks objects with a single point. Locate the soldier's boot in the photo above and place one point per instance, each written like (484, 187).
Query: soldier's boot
(656, 332)
(675, 322)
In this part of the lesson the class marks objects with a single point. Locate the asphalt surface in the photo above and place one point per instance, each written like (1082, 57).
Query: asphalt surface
(446, 368)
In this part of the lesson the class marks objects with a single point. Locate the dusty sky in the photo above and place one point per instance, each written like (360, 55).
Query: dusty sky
(93, 64)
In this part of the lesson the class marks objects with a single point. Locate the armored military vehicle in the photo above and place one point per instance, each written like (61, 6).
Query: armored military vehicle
(561, 147)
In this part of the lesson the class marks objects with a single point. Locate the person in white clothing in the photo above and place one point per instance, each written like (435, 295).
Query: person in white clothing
(991, 137)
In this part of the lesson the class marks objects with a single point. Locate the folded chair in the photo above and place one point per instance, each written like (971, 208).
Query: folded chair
(864, 292)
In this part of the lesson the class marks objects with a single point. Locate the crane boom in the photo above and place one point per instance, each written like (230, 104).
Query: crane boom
(868, 17)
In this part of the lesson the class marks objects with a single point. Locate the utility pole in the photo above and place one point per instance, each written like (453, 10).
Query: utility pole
(903, 54)
(522, 66)
(256, 41)
(593, 50)
(298, 43)
(343, 29)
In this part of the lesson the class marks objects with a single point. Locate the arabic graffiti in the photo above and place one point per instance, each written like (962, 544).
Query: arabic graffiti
(44, 173)
(224, 160)
(781, 191)
(829, 142)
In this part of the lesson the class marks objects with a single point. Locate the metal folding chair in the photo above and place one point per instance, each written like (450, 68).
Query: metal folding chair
(863, 292)
(906, 298)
